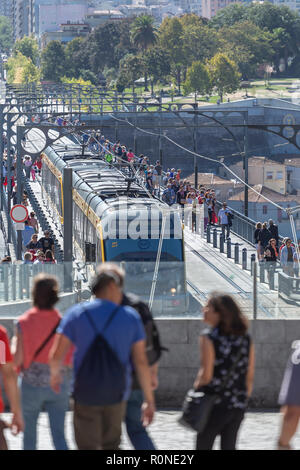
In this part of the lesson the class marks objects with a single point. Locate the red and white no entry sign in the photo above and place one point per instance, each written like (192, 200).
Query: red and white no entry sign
(19, 213)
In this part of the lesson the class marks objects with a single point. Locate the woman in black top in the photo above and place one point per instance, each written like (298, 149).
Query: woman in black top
(256, 239)
(226, 342)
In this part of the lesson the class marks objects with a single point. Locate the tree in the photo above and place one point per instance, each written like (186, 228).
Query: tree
(132, 67)
(248, 45)
(197, 80)
(234, 13)
(224, 74)
(28, 46)
(144, 35)
(6, 35)
(20, 69)
(157, 63)
(170, 38)
(53, 61)
(76, 58)
(31, 73)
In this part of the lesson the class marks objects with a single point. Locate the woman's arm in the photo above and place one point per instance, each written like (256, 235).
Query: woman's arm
(17, 349)
(250, 373)
(206, 370)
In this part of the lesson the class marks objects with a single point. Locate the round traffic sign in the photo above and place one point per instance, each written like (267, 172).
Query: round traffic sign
(19, 213)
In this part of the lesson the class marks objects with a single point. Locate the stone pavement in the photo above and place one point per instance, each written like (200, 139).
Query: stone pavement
(259, 431)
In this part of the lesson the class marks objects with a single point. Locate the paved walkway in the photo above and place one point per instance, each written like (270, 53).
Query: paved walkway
(259, 431)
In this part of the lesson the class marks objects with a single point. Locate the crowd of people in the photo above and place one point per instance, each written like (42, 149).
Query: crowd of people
(271, 250)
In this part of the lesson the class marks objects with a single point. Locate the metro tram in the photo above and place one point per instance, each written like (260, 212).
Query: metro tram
(115, 219)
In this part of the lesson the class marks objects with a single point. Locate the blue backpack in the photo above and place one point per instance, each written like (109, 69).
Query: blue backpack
(101, 378)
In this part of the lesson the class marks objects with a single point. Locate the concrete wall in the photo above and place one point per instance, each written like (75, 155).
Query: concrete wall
(179, 366)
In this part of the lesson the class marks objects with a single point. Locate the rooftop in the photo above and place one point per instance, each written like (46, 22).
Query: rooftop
(267, 192)
(259, 161)
(212, 179)
(292, 161)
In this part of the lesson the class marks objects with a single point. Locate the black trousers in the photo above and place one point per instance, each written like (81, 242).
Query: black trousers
(223, 422)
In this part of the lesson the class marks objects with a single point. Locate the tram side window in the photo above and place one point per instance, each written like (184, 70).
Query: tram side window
(90, 252)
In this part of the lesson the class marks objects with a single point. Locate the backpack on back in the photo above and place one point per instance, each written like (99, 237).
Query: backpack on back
(153, 345)
(101, 378)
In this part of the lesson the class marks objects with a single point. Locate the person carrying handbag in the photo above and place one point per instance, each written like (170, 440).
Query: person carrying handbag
(30, 347)
(227, 356)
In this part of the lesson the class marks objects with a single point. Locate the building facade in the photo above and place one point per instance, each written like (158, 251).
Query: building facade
(211, 7)
(6, 8)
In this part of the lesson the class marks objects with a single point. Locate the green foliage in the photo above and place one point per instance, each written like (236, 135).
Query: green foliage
(143, 32)
(157, 64)
(27, 46)
(131, 69)
(53, 61)
(224, 74)
(20, 69)
(6, 35)
(247, 45)
(197, 79)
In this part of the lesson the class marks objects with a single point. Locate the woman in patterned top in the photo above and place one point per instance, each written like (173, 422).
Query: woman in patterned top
(224, 344)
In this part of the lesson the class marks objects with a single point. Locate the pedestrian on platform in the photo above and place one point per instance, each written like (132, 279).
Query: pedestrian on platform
(264, 236)
(224, 220)
(226, 351)
(33, 340)
(97, 423)
(47, 242)
(34, 244)
(287, 257)
(27, 234)
(32, 221)
(9, 379)
(273, 229)
(258, 247)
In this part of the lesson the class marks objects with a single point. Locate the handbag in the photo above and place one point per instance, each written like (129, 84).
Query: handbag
(198, 405)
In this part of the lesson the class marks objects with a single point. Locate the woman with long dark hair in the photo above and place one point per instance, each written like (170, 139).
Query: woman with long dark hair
(227, 356)
(31, 346)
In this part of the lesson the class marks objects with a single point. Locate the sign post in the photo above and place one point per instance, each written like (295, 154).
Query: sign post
(19, 214)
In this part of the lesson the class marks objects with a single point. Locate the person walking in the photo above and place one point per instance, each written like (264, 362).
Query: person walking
(47, 242)
(273, 229)
(287, 257)
(224, 220)
(31, 345)
(9, 379)
(271, 256)
(264, 236)
(226, 351)
(289, 399)
(137, 433)
(98, 426)
(27, 234)
(258, 247)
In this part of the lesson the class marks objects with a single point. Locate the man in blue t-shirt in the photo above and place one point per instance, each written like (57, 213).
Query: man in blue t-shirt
(99, 427)
(224, 220)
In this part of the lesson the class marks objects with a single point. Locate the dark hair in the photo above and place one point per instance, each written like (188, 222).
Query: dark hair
(49, 255)
(107, 273)
(232, 320)
(44, 291)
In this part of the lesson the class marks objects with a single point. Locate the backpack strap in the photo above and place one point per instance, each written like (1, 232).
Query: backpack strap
(46, 341)
(108, 321)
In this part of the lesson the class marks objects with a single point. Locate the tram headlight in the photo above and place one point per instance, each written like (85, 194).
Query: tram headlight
(173, 291)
